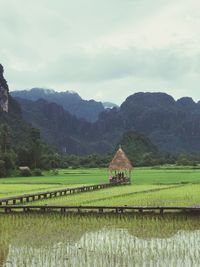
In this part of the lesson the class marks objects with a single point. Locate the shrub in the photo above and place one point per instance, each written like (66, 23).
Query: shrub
(54, 172)
(74, 167)
(25, 171)
(37, 172)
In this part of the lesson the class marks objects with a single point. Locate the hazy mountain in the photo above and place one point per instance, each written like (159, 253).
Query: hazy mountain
(69, 100)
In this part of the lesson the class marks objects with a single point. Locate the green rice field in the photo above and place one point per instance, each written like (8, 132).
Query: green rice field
(19, 189)
(96, 176)
(58, 240)
(170, 187)
(149, 187)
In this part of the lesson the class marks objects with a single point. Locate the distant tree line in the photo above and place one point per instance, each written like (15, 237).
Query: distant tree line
(39, 156)
(34, 153)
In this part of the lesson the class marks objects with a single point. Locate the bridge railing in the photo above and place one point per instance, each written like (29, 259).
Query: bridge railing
(99, 209)
(12, 200)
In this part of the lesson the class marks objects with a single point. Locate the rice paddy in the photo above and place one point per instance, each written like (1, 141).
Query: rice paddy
(97, 176)
(18, 189)
(120, 195)
(99, 241)
(167, 187)
(48, 240)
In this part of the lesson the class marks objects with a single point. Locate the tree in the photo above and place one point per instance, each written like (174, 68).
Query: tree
(35, 147)
(9, 158)
(2, 168)
(139, 149)
(183, 160)
(23, 156)
(5, 137)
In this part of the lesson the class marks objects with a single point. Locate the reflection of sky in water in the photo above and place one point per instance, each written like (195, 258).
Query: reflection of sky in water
(112, 248)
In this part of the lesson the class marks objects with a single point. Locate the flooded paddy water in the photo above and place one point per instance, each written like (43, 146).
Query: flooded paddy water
(56, 240)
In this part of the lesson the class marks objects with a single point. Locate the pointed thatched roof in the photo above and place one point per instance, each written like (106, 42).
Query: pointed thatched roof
(120, 162)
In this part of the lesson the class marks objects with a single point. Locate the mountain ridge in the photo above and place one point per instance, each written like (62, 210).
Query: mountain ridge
(172, 125)
(69, 100)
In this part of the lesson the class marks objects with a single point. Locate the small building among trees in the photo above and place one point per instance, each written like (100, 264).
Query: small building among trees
(120, 168)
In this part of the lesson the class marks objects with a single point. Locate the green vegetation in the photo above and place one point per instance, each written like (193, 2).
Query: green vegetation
(103, 240)
(135, 195)
(98, 241)
(33, 153)
(64, 176)
(143, 180)
(19, 189)
(140, 176)
(184, 187)
(38, 156)
(187, 195)
(140, 149)
(107, 196)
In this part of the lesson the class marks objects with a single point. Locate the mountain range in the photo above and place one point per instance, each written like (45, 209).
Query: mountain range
(173, 126)
(69, 100)
(58, 127)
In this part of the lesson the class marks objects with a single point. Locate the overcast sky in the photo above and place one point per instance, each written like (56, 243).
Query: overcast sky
(103, 49)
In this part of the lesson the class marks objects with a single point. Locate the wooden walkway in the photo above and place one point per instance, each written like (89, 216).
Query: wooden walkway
(99, 209)
(15, 204)
(13, 200)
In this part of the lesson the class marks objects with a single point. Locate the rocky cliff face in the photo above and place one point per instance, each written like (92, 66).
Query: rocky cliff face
(19, 128)
(3, 91)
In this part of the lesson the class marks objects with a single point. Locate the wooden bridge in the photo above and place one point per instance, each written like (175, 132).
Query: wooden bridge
(100, 209)
(54, 193)
(15, 203)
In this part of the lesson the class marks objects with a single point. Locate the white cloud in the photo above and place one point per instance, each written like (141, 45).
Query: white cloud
(103, 49)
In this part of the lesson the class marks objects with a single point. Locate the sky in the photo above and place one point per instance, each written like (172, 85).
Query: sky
(102, 49)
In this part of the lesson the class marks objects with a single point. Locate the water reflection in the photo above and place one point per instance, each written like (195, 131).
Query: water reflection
(59, 241)
(112, 248)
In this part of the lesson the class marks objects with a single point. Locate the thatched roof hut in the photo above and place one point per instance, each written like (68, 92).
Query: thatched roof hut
(120, 162)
